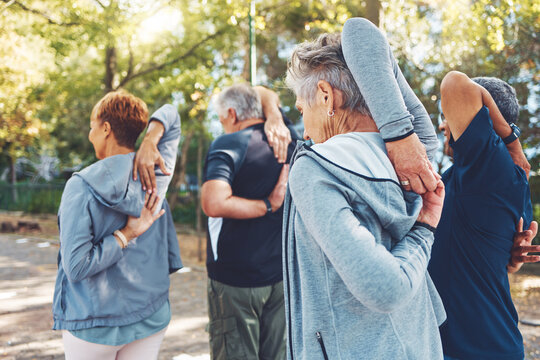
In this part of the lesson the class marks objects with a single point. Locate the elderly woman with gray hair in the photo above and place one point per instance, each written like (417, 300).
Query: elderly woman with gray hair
(356, 246)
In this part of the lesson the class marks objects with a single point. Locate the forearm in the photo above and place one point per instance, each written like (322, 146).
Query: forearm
(500, 126)
(352, 248)
(394, 276)
(235, 207)
(81, 261)
(154, 133)
(270, 104)
(367, 54)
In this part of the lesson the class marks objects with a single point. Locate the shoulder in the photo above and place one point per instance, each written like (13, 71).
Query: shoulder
(231, 142)
(76, 193)
(306, 173)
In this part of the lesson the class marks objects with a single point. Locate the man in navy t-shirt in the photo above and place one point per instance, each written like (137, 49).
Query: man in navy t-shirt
(243, 192)
(486, 195)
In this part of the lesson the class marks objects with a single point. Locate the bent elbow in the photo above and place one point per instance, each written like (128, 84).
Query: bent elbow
(453, 81)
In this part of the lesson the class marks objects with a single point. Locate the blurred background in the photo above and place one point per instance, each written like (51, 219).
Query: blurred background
(58, 58)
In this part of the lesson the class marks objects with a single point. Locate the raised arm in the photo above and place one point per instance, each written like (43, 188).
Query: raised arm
(159, 147)
(279, 136)
(382, 280)
(400, 116)
(462, 98)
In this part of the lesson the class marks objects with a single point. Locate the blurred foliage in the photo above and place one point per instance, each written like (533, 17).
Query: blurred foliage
(59, 58)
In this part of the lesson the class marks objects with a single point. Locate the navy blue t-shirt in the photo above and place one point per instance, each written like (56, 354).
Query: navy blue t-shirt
(486, 194)
(247, 252)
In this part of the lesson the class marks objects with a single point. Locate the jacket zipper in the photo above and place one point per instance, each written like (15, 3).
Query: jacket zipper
(321, 342)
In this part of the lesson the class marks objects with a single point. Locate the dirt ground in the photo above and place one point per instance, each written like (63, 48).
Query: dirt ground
(27, 275)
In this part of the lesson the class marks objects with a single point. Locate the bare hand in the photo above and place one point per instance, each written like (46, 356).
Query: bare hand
(279, 136)
(522, 246)
(409, 158)
(137, 226)
(432, 205)
(519, 158)
(277, 196)
(145, 160)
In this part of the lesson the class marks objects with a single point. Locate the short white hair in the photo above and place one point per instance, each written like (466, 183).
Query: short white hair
(245, 101)
(323, 59)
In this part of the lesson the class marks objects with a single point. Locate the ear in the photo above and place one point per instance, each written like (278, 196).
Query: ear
(325, 94)
(231, 114)
(107, 128)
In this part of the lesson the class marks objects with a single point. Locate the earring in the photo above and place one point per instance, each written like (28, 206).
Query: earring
(330, 113)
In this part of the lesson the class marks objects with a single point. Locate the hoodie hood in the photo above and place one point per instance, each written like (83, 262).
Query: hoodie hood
(357, 157)
(111, 182)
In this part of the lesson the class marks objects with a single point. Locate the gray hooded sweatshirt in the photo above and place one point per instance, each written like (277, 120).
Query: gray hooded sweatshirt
(355, 278)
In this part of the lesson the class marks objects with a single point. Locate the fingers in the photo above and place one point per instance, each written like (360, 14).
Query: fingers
(528, 248)
(417, 185)
(162, 166)
(519, 227)
(152, 176)
(135, 168)
(428, 178)
(528, 258)
(534, 228)
(158, 215)
(405, 184)
(440, 190)
(153, 202)
(146, 198)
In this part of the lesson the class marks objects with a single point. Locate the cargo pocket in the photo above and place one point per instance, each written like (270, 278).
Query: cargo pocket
(225, 340)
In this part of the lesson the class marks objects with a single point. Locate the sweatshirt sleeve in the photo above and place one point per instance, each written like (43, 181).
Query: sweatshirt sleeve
(168, 144)
(396, 109)
(382, 280)
(81, 253)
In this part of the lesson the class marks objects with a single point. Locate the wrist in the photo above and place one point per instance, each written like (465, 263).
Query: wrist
(129, 235)
(514, 145)
(268, 206)
(120, 239)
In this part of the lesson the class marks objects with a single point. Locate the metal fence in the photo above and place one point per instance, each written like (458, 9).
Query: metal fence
(31, 198)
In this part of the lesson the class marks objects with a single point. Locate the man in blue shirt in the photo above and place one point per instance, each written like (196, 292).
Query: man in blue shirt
(486, 196)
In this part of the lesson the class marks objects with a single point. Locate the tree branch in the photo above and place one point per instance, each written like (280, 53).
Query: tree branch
(8, 3)
(39, 13)
(100, 4)
(157, 67)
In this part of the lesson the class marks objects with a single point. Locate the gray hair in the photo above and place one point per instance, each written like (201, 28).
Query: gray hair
(504, 96)
(323, 59)
(243, 99)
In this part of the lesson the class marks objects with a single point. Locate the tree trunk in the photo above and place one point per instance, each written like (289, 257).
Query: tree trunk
(179, 176)
(198, 227)
(373, 9)
(110, 68)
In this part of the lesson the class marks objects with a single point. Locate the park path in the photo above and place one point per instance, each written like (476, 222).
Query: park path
(28, 271)
(27, 275)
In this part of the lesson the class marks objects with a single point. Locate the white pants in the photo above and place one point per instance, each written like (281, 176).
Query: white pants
(143, 349)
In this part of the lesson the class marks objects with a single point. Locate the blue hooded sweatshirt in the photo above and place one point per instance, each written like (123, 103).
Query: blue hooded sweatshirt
(99, 283)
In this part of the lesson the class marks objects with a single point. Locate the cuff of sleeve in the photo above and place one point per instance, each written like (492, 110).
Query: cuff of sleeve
(427, 226)
(175, 265)
(166, 115)
(111, 246)
(396, 138)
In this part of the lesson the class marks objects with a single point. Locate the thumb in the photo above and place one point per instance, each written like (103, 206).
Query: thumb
(162, 166)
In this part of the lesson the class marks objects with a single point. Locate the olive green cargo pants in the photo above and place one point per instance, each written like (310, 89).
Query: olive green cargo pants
(246, 323)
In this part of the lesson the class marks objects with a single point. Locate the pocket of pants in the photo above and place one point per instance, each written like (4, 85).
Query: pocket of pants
(225, 340)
